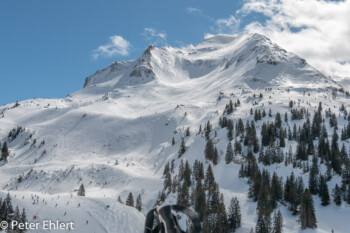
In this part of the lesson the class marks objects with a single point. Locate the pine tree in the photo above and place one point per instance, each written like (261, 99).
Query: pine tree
(282, 141)
(187, 174)
(277, 223)
(209, 150)
(138, 205)
(323, 192)
(335, 154)
(4, 152)
(182, 148)
(255, 184)
(207, 130)
(307, 211)
(276, 190)
(120, 200)
(229, 153)
(167, 182)
(313, 180)
(8, 208)
(222, 223)
(263, 224)
(234, 215)
(209, 180)
(347, 195)
(173, 141)
(278, 121)
(23, 218)
(337, 195)
(81, 191)
(130, 200)
(199, 200)
(237, 147)
(16, 217)
(301, 152)
(215, 157)
(229, 129)
(183, 194)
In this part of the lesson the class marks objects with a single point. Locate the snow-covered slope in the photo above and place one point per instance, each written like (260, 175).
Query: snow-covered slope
(114, 135)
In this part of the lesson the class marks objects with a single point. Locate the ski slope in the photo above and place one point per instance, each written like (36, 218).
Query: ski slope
(114, 135)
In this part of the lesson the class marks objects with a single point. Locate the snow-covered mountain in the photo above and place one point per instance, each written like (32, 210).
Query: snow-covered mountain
(115, 134)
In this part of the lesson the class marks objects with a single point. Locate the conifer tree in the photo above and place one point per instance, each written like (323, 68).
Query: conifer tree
(187, 132)
(7, 215)
(255, 184)
(138, 205)
(301, 152)
(234, 215)
(215, 157)
(263, 224)
(237, 147)
(276, 190)
(120, 200)
(167, 182)
(222, 223)
(81, 191)
(209, 180)
(199, 200)
(229, 153)
(173, 141)
(182, 148)
(130, 200)
(277, 223)
(4, 152)
(323, 192)
(207, 130)
(347, 195)
(187, 174)
(209, 150)
(229, 129)
(313, 180)
(181, 170)
(337, 195)
(16, 217)
(23, 218)
(278, 121)
(307, 215)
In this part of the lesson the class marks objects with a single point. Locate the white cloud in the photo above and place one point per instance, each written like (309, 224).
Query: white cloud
(116, 45)
(193, 10)
(228, 25)
(151, 34)
(317, 30)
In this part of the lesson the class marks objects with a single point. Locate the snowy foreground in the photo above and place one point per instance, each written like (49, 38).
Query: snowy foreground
(114, 136)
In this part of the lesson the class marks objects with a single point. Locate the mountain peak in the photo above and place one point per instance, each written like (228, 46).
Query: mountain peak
(143, 67)
(250, 59)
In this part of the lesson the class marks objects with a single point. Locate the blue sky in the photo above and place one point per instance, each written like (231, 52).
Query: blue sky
(47, 48)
